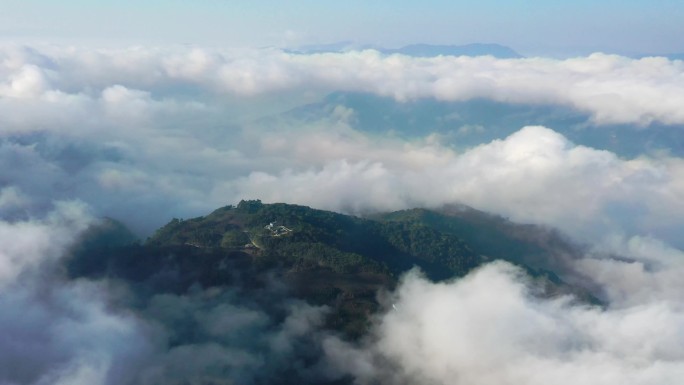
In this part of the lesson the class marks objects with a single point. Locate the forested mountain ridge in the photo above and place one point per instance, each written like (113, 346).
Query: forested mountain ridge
(323, 257)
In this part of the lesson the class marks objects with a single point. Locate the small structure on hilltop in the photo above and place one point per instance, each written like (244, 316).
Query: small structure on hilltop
(277, 231)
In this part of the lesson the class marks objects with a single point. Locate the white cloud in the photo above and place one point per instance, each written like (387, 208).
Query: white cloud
(12, 199)
(651, 273)
(28, 82)
(26, 245)
(488, 328)
(149, 134)
(146, 134)
(151, 122)
(612, 89)
(533, 176)
(56, 330)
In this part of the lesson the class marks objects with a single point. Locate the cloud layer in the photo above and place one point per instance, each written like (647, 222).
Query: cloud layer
(612, 89)
(489, 328)
(534, 176)
(141, 132)
(147, 134)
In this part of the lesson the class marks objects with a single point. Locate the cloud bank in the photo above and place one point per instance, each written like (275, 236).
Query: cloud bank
(489, 328)
(533, 176)
(144, 132)
(147, 134)
(610, 88)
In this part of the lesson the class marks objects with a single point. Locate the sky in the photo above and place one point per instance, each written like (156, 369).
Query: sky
(533, 28)
(146, 112)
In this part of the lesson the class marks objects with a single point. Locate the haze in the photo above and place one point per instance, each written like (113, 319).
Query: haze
(555, 27)
(146, 111)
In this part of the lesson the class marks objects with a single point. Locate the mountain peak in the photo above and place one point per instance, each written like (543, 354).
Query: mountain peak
(417, 50)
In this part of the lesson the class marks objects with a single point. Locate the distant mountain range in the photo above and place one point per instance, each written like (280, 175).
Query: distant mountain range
(465, 124)
(417, 50)
(434, 50)
(671, 56)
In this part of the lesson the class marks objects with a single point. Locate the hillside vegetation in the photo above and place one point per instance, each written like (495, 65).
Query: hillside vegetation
(323, 257)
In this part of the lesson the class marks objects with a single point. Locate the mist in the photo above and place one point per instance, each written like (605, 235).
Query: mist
(145, 134)
(489, 328)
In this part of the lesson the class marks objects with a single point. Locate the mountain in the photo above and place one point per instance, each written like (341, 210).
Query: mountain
(254, 293)
(322, 257)
(478, 49)
(670, 56)
(464, 124)
(416, 50)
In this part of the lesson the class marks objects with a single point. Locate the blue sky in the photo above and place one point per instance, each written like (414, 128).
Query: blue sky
(628, 26)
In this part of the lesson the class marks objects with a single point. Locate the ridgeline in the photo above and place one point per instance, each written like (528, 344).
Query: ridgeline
(322, 257)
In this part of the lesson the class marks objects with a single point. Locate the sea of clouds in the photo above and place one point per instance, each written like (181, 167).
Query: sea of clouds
(146, 134)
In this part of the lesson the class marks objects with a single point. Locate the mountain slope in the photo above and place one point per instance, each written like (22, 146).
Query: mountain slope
(323, 257)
